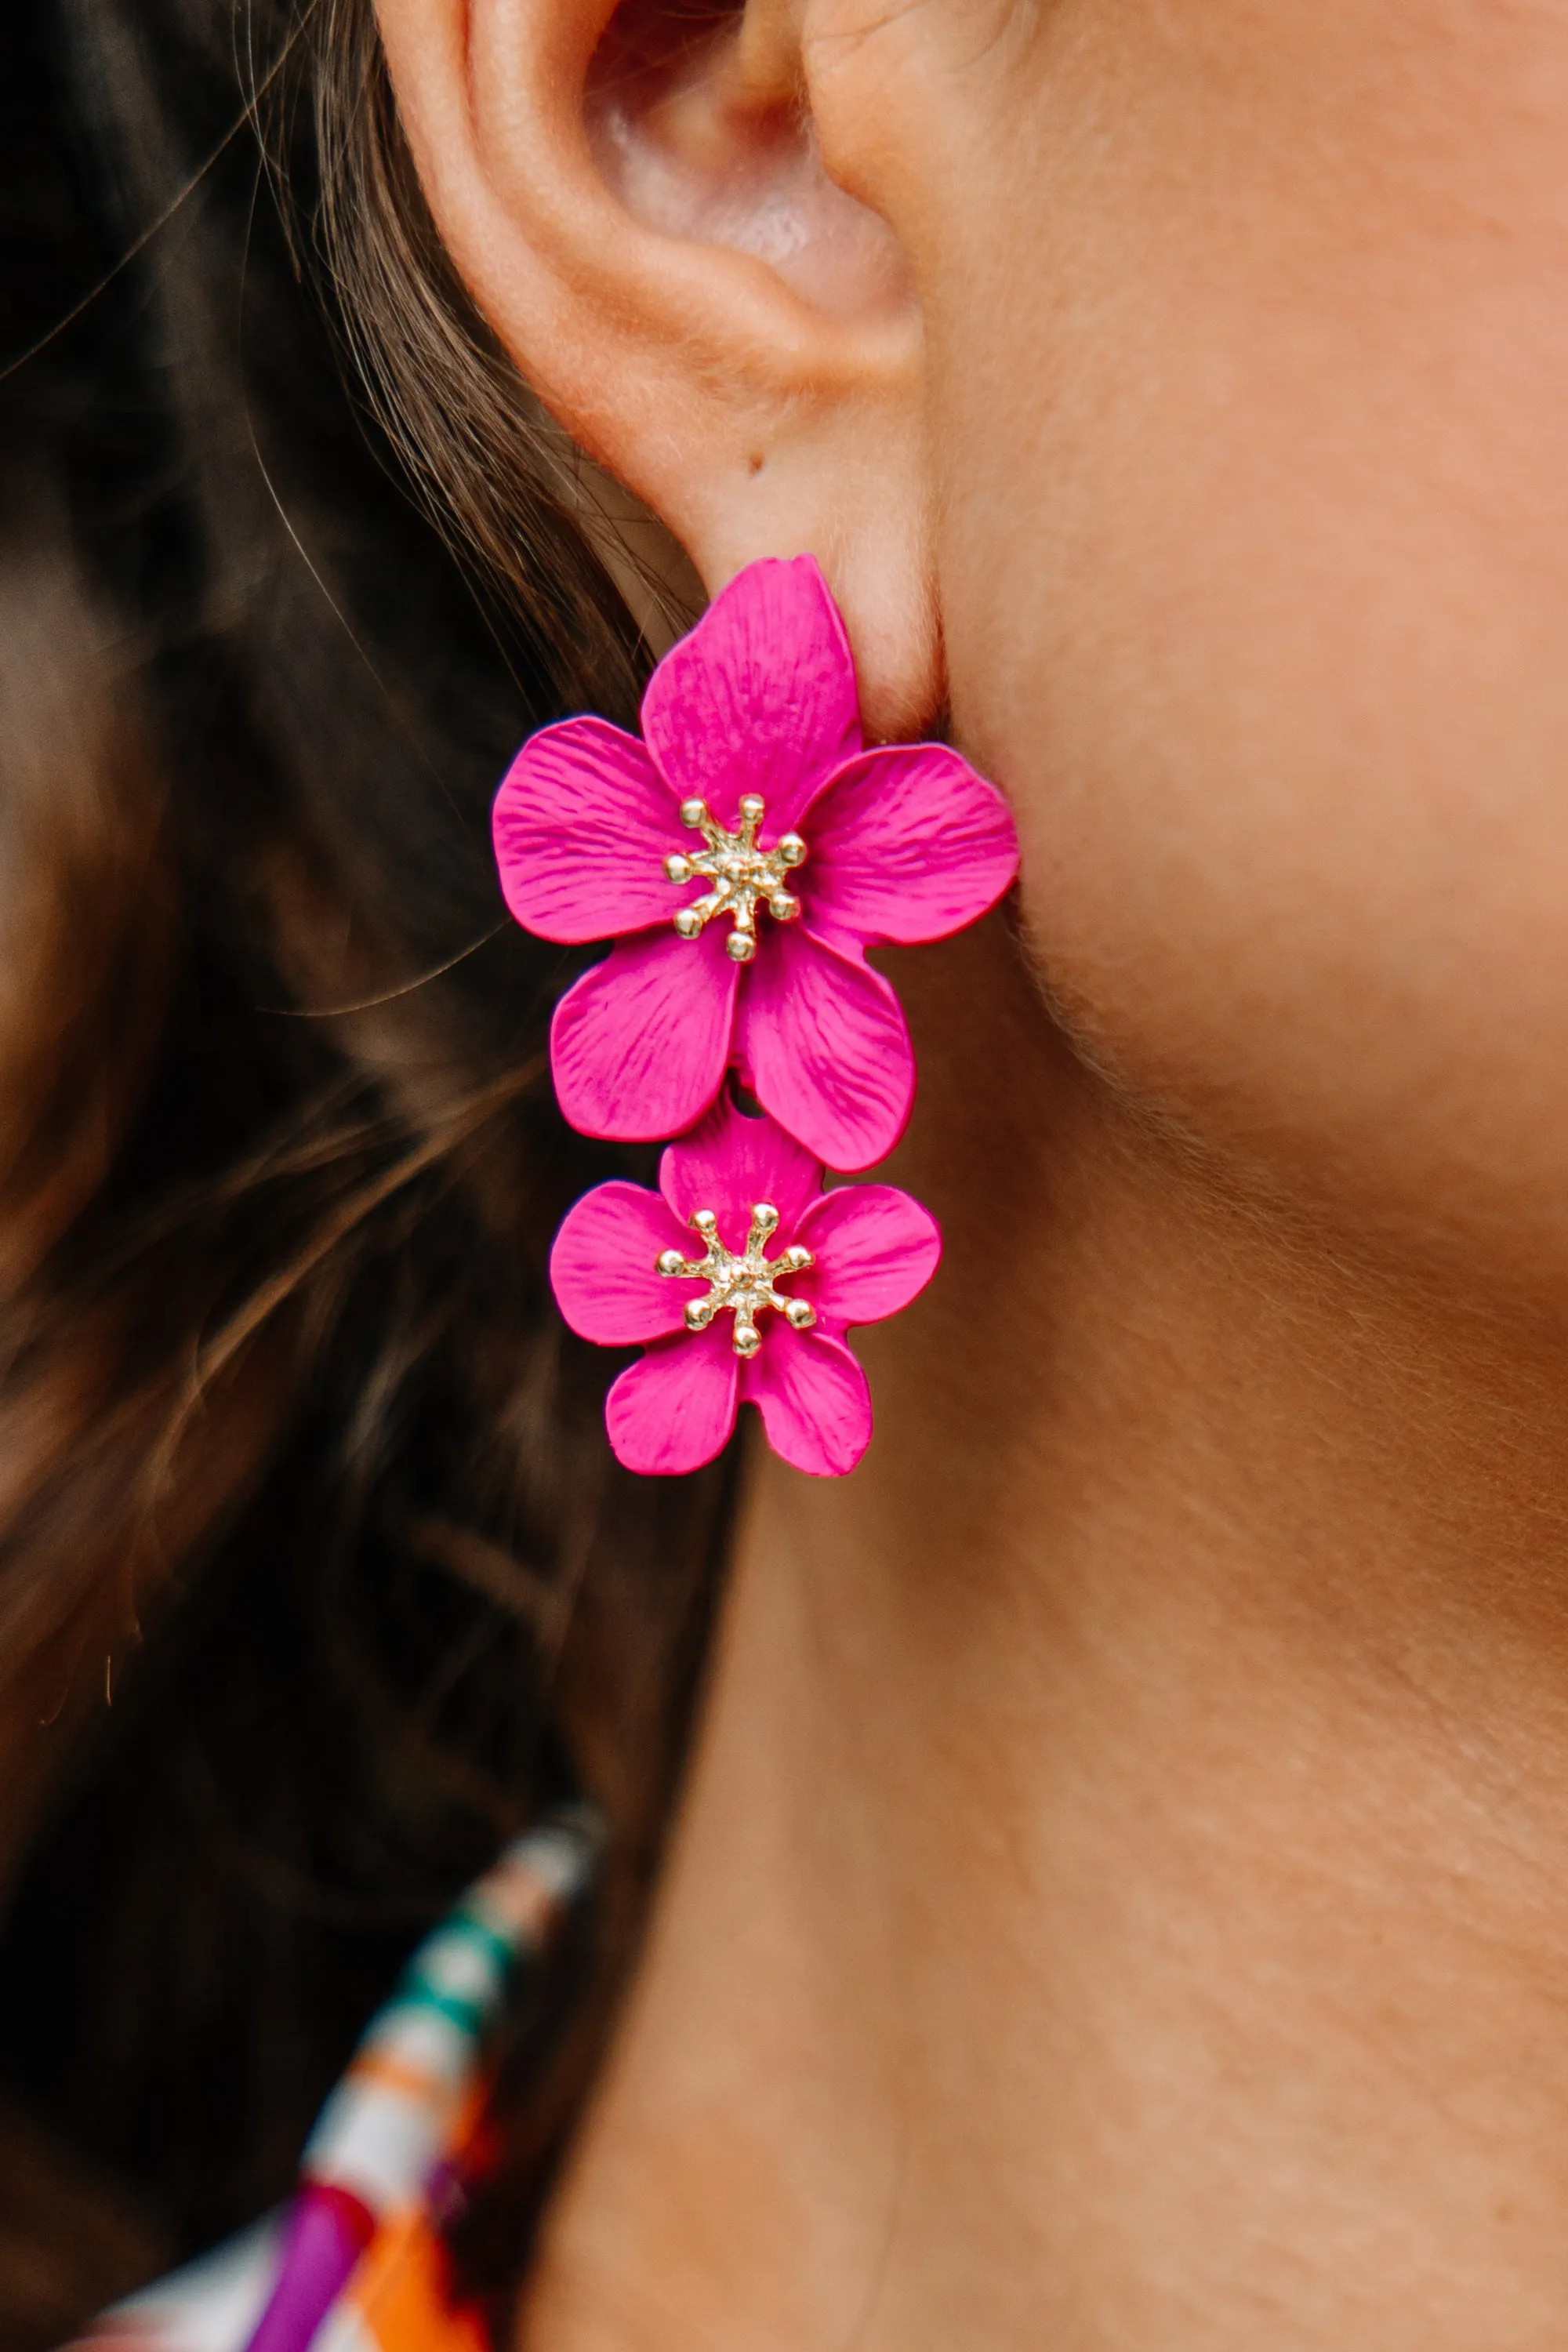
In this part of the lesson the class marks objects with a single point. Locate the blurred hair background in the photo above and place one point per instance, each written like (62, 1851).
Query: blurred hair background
(316, 1576)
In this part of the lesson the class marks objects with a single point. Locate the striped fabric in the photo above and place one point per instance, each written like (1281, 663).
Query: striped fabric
(356, 2264)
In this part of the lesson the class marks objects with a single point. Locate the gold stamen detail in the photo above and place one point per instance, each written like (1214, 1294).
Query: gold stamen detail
(743, 876)
(742, 1285)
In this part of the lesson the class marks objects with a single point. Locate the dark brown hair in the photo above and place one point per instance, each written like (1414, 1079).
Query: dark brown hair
(298, 1467)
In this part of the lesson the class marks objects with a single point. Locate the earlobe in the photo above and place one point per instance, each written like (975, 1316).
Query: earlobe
(637, 202)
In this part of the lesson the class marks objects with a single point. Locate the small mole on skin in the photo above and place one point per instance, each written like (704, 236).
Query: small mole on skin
(757, 461)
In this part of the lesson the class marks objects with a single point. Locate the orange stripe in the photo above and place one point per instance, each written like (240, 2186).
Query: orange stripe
(399, 2294)
(388, 2074)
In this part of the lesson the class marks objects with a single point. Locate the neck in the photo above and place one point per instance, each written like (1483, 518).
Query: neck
(1121, 1893)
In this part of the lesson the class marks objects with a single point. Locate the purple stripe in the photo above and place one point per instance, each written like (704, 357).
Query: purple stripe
(326, 2234)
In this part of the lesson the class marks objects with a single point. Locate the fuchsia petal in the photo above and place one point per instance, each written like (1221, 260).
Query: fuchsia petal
(875, 1248)
(583, 823)
(638, 1045)
(759, 698)
(823, 1038)
(812, 1397)
(602, 1267)
(906, 844)
(673, 1410)
(729, 1163)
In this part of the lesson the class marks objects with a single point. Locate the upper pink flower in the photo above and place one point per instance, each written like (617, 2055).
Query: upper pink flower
(740, 1275)
(744, 855)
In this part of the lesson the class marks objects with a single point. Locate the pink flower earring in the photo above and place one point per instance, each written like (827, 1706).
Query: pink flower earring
(751, 786)
(624, 1273)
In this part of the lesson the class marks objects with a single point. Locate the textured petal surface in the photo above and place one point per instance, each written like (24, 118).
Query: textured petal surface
(759, 698)
(875, 1248)
(824, 1040)
(673, 1410)
(814, 1399)
(582, 822)
(906, 844)
(602, 1267)
(638, 1044)
(732, 1162)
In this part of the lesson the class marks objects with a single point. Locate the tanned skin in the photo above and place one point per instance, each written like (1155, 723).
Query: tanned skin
(1121, 1903)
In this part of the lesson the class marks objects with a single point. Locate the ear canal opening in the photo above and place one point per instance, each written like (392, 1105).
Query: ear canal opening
(698, 120)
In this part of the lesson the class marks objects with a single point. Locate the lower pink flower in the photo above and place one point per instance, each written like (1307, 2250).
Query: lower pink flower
(740, 1277)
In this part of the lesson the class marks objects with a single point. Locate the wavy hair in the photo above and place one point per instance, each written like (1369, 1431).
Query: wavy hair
(316, 1576)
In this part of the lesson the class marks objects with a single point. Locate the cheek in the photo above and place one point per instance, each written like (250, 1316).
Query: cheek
(1249, 331)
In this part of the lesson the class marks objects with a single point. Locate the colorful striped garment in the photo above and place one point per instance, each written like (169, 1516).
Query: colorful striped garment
(356, 2264)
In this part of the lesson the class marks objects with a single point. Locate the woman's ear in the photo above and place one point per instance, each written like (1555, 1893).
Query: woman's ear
(636, 199)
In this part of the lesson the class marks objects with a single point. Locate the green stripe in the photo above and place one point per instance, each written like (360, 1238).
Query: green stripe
(417, 1992)
(469, 2011)
(501, 1948)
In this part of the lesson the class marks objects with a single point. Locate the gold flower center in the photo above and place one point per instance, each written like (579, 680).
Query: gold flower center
(743, 878)
(742, 1285)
